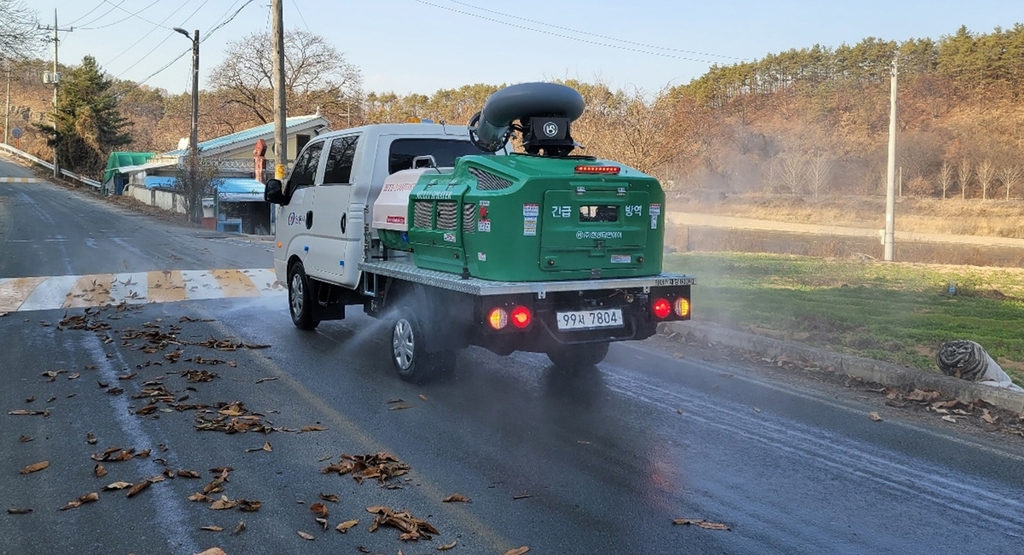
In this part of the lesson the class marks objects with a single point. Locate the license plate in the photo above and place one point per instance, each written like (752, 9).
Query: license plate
(589, 319)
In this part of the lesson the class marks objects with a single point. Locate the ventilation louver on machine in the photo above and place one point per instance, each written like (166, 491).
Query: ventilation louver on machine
(422, 213)
(447, 215)
(487, 181)
(469, 217)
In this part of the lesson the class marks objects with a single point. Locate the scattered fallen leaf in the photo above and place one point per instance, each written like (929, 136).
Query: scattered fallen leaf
(13, 511)
(949, 418)
(423, 398)
(87, 498)
(185, 473)
(90, 438)
(322, 522)
(875, 416)
(412, 528)
(211, 528)
(517, 551)
(319, 509)
(344, 526)
(23, 412)
(266, 447)
(305, 535)
(99, 470)
(238, 529)
(332, 497)
(247, 506)
(700, 522)
(200, 498)
(313, 428)
(137, 488)
(74, 376)
(117, 485)
(987, 417)
(222, 503)
(261, 380)
(34, 467)
(213, 551)
(456, 498)
(25, 439)
(397, 400)
(447, 546)
(521, 496)
(400, 406)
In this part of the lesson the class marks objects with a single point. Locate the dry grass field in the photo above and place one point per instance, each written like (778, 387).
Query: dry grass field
(998, 218)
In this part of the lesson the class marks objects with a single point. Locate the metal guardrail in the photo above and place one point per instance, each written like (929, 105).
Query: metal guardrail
(84, 180)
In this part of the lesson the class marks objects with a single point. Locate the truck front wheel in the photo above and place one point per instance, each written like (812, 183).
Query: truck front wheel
(300, 298)
(578, 356)
(409, 350)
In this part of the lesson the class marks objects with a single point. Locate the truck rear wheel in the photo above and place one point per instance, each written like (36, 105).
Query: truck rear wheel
(578, 356)
(409, 350)
(300, 298)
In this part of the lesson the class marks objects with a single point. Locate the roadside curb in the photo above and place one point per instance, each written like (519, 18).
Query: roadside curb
(859, 367)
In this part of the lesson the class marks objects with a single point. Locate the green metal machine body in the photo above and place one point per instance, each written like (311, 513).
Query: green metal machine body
(534, 218)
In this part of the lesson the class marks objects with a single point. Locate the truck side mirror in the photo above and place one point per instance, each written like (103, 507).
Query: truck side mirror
(273, 193)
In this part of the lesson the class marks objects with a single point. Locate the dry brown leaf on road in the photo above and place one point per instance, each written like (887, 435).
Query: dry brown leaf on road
(23, 412)
(200, 498)
(34, 467)
(305, 535)
(213, 551)
(238, 529)
(222, 504)
(332, 497)
(400, 406)
(87, 498)
(137, 488)
(319, 509)
(322, 522)
(90, 438)
(25, 439)
(16, 511)
(117, 485)
(700, 522)
(99, 470)
(518, 550)
(875, 416)
(422, 397)
(313, 428)
(211, 528)
(456, 498)
(247, 506)
(447, 546)
(344, 526)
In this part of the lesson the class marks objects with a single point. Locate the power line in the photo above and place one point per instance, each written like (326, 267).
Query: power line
(129, 16)
(150, 32)
(570, 37)
(296, 4)
(88, 12)
(651, 46)
(94, 20)
(172, 33)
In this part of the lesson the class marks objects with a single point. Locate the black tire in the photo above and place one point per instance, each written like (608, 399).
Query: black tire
(586, 355)
(410, 352)
(300, 298)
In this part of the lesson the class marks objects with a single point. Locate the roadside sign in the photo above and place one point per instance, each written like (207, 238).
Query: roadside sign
(16, 132)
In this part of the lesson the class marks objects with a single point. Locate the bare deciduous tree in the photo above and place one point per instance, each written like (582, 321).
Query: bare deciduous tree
(1010, 175)
(963, 174)
(792, 171)
(818, 170)
(945, 177)
(316, 76)
(986, 173)
(196, 178)
(20, 35)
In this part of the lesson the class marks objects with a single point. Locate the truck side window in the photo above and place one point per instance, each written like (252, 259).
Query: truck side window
(304, 171)
(339, 160)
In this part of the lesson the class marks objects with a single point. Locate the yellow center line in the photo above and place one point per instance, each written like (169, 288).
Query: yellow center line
(234, 283)
(166, 286)
(14, 292)
(90, 291)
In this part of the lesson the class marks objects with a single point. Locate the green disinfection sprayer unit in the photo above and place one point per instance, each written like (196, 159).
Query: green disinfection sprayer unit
(540, 215)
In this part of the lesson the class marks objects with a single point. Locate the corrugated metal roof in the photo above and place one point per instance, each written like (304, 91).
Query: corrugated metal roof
(251, 135)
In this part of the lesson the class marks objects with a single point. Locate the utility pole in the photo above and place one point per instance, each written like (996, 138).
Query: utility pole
(280, 108)
(890, 190)
(193, 138)
(7, 114)
(55, 79)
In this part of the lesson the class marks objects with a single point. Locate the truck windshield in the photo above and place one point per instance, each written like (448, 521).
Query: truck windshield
(444, 151)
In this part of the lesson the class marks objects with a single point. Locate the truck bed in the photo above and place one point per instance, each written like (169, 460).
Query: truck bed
(407, 271)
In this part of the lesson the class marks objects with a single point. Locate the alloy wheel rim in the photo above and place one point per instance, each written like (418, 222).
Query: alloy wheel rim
(296, 290)
(403, 343)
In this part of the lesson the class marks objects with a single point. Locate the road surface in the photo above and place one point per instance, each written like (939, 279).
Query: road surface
(599, 461)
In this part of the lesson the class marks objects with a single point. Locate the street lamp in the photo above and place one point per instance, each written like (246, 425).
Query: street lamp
(193, 140)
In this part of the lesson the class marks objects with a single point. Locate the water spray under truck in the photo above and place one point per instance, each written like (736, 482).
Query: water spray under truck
(453, 239)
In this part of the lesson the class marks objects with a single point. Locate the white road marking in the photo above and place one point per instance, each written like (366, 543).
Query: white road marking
(21, 294)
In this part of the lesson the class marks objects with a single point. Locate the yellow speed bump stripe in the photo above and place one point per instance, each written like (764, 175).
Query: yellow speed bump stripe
(54, 292)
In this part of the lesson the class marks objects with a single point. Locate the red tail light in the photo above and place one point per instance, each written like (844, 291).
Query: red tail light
(661, 308)
(521, 317)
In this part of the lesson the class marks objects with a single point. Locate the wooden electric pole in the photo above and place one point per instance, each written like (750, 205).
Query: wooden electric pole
(280, 110)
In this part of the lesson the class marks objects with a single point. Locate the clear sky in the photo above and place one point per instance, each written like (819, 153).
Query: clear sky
(420, 46)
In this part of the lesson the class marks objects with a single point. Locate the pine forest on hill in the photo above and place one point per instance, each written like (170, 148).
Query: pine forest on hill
(811, 122)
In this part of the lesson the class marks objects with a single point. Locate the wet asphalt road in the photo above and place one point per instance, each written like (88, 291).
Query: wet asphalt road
(603, 460)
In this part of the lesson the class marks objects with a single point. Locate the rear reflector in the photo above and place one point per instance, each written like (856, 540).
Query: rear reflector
(681, 307)
(598, 169)
(498, 318)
